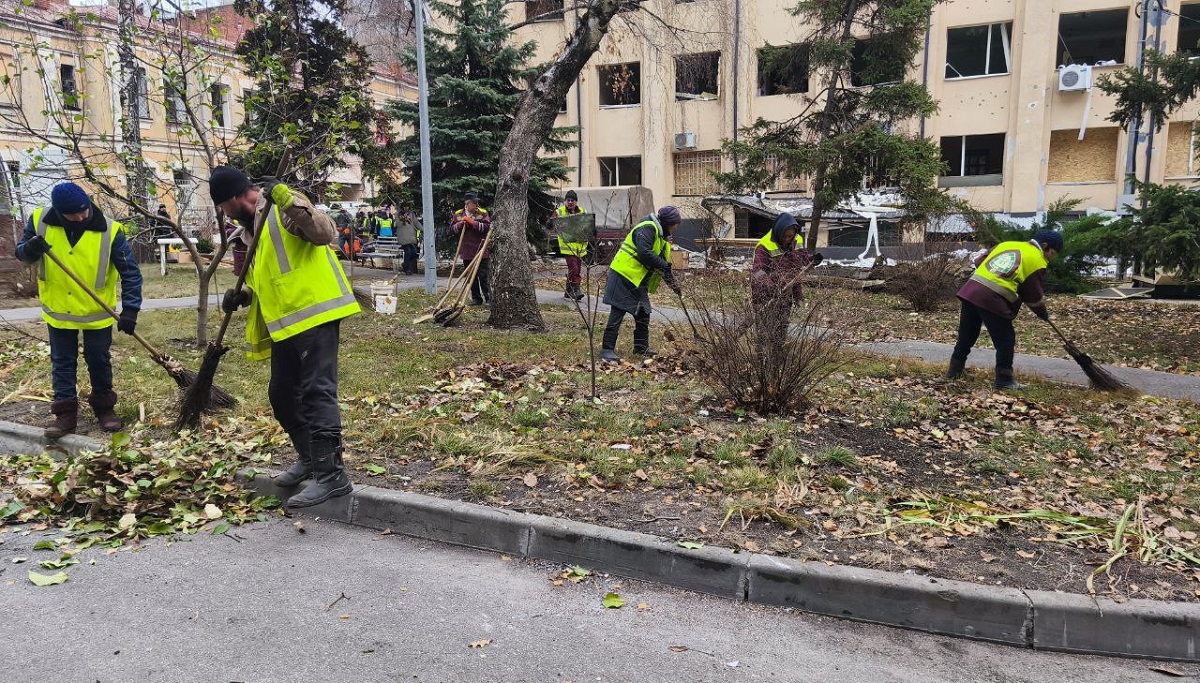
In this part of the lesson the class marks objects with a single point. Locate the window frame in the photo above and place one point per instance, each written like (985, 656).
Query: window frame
(535, 8)
(1006, 45)
(604, 79)
(958, 177)
(759, 63)
(174, 105)
(701, 160)
(73, 101)
(616, 169)
(1191, 22)
(1060, 46)
(13, 88)
(681, 61)
(142, 95)
(224, 90)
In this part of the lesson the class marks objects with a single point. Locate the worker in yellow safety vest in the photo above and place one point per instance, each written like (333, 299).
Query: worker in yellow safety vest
(94, 248)
(298, 295)
(573, 252)
(1009, 275)
(641, 264)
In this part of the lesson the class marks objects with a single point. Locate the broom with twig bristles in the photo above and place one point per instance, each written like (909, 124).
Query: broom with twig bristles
(1101, 379)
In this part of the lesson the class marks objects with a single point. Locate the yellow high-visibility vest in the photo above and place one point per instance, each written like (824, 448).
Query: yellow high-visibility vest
(297, 285)
(1007, 266)
(773, 250)
(64, 304)
(570, 248)
(627, 264)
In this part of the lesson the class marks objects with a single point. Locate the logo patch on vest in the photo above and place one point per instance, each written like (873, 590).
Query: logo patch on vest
(1004, 264)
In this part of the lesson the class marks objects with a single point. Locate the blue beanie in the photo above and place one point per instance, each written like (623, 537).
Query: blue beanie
(69, 198)
(669, 215)
(1050, 238)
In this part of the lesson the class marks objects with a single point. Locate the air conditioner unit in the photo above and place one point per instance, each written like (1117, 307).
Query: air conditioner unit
(685, 140)
(1074, 78)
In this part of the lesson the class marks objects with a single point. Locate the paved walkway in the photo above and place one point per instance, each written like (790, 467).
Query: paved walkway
(339, 603)
(1153, 383)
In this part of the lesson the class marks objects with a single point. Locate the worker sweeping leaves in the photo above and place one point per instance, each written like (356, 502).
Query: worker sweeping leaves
(642, 262)
(298, 295)
(93, 247)
(1009, 275)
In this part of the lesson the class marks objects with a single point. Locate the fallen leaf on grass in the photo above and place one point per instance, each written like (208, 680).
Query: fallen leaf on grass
(47, 579)
(1026, 555)
(613, 601)
(480, 643)
(212, 511)
(530, 479)
(374, 470)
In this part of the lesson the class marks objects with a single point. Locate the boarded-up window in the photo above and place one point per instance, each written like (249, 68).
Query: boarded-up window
(1092, 159)
(692, 172)
(1181, 150)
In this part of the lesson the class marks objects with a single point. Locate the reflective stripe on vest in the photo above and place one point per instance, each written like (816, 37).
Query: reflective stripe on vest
(571, 248)
(1007, 266)
(64, 303)
(627, 264)
(297, 285)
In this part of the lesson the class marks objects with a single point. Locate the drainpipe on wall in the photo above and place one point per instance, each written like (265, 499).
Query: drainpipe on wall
(578, 117)
(1150, 121)
(737, 50)
(1135, 126)
(925, 63)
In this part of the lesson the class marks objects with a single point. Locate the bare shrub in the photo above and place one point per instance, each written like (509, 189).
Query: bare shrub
(929, 283)
(768, 358)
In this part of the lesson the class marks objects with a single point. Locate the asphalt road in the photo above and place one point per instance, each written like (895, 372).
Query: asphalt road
(262, 609)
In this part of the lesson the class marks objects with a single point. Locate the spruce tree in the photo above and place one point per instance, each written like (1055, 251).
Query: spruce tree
(311, 94)
(477, 76)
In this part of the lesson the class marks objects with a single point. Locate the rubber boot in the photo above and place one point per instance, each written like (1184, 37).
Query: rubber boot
(329, 475)
(645, 352)
(574, 292)
(301, 469)
(1006, 382)
(102, 405)
(66, 416)
(609, 355)
(641, 342)
(567, 292)
(957, 369)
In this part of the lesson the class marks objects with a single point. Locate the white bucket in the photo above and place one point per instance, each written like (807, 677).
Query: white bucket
(385, 304)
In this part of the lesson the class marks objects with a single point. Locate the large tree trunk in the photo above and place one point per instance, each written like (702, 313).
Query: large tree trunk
(514, 302)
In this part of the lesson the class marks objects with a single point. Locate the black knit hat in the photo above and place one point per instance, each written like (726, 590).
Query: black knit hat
(571, 195)
(225, 183)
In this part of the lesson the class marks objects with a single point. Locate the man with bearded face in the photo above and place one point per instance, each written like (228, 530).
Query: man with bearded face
(94, 248)
(298, 295)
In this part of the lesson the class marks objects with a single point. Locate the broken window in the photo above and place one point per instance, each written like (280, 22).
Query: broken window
(620, 171)
(978, 50)
(782, 70)
(876, 62)
(620, 84)
(693, 172)
(543, 10)
(974, 155)
(697, 77)
(1189, 30)
(1096, 38)
(70, 88)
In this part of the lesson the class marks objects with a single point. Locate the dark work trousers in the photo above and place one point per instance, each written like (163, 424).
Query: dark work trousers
(641, 328)
(574, 266)
(481, 287)
(304, 383)
(999, 328)
(410, 258)
(64, 360)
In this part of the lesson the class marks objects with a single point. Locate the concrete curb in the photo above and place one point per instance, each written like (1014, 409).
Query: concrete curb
(1037, 620)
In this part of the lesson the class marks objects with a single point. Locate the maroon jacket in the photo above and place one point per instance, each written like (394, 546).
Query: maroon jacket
(474, 232)
(768, 275)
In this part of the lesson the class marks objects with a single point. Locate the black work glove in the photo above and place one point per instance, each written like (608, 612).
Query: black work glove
(1044, 314)
(816, 259)
(127, 323)
(234, 299)
(36, 247)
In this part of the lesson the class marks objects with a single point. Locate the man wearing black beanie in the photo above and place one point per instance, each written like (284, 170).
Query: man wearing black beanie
(297, 294)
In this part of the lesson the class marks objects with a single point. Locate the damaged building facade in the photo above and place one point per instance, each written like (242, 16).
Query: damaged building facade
(1020, 123)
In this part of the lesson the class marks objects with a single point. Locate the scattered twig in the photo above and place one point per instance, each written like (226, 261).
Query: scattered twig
(336, 600)
(655, 519)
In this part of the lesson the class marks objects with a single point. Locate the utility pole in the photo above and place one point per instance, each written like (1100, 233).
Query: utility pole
(1135, 125)
(426, 177)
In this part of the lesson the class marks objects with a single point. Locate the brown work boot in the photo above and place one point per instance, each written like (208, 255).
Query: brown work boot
(66, 415)
(102, 405)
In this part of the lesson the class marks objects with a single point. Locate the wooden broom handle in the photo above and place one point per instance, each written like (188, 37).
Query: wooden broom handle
(96, 297)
